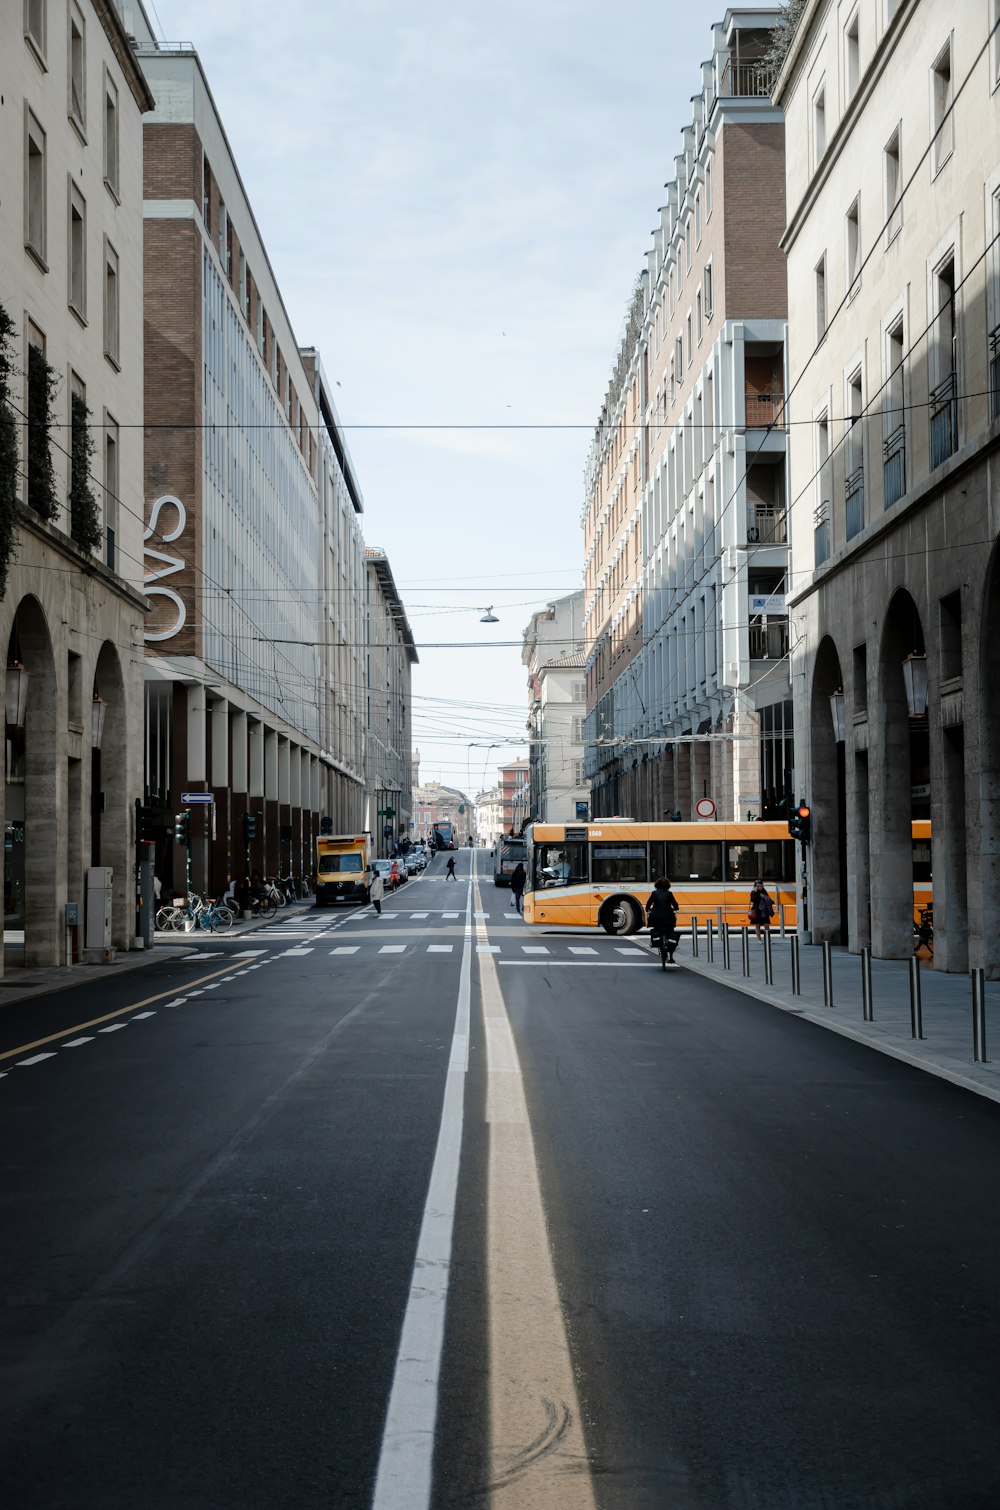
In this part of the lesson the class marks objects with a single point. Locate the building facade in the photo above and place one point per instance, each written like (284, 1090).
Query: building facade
(489, 816)
(554, 656)
(236, 680)
(686, 529)
(893, 174)
(71, 469)
(391, 654)
(515, 795)
(434, 803)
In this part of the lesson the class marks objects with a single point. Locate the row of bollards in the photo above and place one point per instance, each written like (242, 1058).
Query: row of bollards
(978, 976)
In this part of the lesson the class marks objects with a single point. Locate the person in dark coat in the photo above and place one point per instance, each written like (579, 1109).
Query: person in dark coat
(761, 907)
(450, 869)
(661, 910)
(518, 881)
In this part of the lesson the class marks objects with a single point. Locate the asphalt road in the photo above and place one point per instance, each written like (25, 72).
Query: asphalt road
(773, 1250)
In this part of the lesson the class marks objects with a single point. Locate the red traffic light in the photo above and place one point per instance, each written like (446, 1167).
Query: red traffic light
(804, 811)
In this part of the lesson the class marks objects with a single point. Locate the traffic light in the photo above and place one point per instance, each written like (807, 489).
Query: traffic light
(182, 828)
(800, 823)
(249, 826)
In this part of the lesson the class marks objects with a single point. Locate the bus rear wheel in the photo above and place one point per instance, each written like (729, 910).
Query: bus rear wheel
(620, 916)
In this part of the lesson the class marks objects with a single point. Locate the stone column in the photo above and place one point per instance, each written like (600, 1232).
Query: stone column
(239, 775)
(220, 743)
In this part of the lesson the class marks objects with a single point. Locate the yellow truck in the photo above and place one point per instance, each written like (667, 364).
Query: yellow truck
(343, 868)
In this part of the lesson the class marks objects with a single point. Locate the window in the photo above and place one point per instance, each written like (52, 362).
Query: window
(893, 425)
(819, 125)
(679, 354)
(709, 301)
(244, 288)
(224, 242)
(852, 56)
(690, 329)
(820, 276)
(697, 218)
(611, 864)
(698, 313)
(852, 227)
(260, 323)
(110, 491)
(206, 195)
(854, 466)
(111, 135)
(579, 692)
(577, 734)
(77, 69)
(687, 246)
(560, 864)
(697, 861)
(34, 188)
(77, 252)
(942, 114)
(893, 188)
(112, 322)
(773, 860)
(944, 394)
(34, 26)
(708, 190)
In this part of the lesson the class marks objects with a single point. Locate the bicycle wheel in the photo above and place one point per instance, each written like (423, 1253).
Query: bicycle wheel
(164, 919)
(222, 919)
(267, 907)
(664, 950)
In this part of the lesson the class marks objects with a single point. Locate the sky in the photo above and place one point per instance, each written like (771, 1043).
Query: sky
(456, 200)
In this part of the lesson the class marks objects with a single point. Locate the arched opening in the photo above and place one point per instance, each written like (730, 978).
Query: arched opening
(110, 797)
(828, 910)
(984, 940)
(35, 799)
(901, 785)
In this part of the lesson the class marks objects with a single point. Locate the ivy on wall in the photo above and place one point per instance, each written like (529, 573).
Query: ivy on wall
(9, 451)
(84, 510)
(43, 381)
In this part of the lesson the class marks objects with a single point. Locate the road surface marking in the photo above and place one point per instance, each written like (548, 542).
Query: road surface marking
(633, 950)
(247, 954)
(538, 1456)
(392, 949)
(35, 1059)
(287, 953)
(451, 914)
(510, 915)
(419, 914)
(487, 948)
(75, 1043)
(404, 1478)
(578, 964)
(114, 1027)
(534, 949)
(345, 949)
(439, 948)
(140, 1015)
(581, 949)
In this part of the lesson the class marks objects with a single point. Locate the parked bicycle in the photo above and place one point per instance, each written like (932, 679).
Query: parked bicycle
(214, 917)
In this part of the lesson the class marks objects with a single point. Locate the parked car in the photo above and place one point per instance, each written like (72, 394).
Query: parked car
(412, 863)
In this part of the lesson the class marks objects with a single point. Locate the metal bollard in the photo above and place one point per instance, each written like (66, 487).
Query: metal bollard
(916, 1005)
(768, 964)
(709, 941)
(979, 1015)
(694, 937)
(719, 920)
(781, 921)
(724, 935)
(793, 953)
(745, 942)
(867, 1003)
(827, 974)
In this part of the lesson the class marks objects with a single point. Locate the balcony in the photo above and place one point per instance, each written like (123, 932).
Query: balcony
(944, 420)
(763, 410)
(894, 467)
(747, 79)
(854, 503)
(768, 526)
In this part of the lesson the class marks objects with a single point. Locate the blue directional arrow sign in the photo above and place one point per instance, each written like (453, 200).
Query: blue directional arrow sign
(188, 797)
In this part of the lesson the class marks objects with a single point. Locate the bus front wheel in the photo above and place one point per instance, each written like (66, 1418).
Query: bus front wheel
(620, 916)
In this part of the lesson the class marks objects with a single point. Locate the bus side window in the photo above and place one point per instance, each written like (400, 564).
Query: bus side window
(615, 863)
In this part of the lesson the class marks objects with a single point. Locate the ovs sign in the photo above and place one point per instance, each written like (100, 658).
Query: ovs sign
(167, 523)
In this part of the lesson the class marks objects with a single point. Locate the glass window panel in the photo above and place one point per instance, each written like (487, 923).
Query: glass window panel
(614, 863)
(696, 860)
(560, 864)
(771, 860)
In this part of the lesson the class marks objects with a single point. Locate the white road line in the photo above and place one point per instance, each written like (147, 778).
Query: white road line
(534, 949)
(140, 1015)
(113, 1027)
(35, 1059)
(406, 1457)
(247, 954)
(287, 954)
(392, 949)
(581, 949)
(75, 1043)
(419, 914)
(579, 964)
(481, 914)
(345, 949)
(487, 948)
(439, 948)
(510, 916)
(633, 951)
(451, 914)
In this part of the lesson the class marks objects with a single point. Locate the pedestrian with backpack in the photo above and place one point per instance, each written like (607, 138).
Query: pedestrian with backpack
(761, 907)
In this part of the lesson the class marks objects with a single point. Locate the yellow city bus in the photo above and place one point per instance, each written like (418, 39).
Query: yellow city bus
(599, 875)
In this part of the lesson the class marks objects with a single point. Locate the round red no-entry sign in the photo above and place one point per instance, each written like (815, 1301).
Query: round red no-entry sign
(705, 807)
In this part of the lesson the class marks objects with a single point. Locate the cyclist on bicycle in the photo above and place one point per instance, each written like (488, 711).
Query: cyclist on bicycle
(661, 912)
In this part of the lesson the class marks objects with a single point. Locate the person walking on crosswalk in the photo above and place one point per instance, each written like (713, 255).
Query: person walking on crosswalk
(450, 869)
(376, 891)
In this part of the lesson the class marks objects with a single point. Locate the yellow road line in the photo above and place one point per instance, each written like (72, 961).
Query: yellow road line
(146, 1001)
(538, 1456)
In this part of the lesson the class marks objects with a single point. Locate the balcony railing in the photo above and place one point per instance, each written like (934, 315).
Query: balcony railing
(769, 642)
(854, 503)
(768, 526)
(994, 347)
(753, 80)
(944, 420)
(822, 534)
(764, 409)
(894, 467)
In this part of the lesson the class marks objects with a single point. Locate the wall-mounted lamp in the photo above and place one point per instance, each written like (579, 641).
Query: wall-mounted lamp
(915, 682)
(838, 715)
(98, 713)
(16, 694)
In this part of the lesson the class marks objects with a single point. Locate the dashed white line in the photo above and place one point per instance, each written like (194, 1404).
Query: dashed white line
(74, 1043)
(392, 949)
(35, 1059)
(113, 1027)
(289, 952)
(440, 948)
(487, 948)
(581, 949)
(140, 1015)
(345, 949)
(534, 949)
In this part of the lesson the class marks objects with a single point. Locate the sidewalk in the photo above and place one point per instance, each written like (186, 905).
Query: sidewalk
(17, 983)
(946, 1048)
